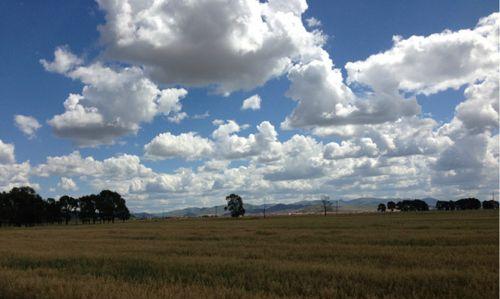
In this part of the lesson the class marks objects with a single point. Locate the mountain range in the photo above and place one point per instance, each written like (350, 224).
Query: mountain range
(362, 204)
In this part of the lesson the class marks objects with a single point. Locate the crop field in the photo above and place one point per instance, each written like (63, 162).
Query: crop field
(391, 255)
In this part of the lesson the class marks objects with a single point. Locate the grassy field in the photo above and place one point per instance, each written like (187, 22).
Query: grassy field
(399, 255)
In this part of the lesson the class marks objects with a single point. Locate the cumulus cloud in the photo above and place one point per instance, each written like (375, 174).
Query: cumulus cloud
(224, 144)
(252, 103)
(6, 153)
(113, 103)
(381, 144)
(67, 184)
(63, 62)
(13, 174)
(417, 65)
(325, 100)
(231, 44)
(27, 124)
(429, 64)
(186, 145)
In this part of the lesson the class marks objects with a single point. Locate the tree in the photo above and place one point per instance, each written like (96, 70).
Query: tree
(468, 204)
(27, 207)
(235, 205)
(412, 205)
(490, 205)
(5, 208)
(381, 207)
(88, 208)
(325, 202)
(23, 206)
(66, 206)
(108, 204)
(391, 206)
(442, 205)
(54, 213)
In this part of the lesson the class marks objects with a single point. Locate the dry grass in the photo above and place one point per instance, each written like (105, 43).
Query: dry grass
(400, 255)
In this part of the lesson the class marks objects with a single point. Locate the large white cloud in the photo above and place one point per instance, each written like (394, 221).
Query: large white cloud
(429, 64)
(224, 144)
(230, 44)
(417, 65)
(325, 100)
(113, 102)
(186, 145)
(381, 144)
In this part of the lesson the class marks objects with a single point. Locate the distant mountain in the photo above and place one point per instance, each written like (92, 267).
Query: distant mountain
(362, 204)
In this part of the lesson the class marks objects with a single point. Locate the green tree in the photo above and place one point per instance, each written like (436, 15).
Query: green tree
(88, 208)
(235, 205)
(66, 204)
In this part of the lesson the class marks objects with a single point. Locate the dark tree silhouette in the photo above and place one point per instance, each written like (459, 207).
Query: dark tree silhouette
(27, 207)
(412, 205)
(54, 213)
(5, 209)
(66, 206)
(108, 204)
(88, 208)
(235, 205)
(391, 206)
(381, 207)
(23, 206)
(468, 204)
(490, 205)
(445, 205)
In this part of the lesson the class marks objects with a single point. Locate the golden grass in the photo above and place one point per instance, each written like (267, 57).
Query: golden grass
(399, 255)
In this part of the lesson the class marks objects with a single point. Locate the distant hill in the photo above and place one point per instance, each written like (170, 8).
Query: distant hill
(362, 204)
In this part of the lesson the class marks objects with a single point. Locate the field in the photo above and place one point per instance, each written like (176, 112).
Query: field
(398, 255)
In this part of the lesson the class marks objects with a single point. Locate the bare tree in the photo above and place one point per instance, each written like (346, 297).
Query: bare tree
(325, 201)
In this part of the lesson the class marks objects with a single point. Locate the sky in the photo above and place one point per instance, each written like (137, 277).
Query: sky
(178, 103)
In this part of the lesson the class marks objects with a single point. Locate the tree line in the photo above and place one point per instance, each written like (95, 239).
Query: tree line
(420, 205)
(23, 206)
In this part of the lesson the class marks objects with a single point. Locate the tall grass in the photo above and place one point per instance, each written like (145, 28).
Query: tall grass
(399, 255)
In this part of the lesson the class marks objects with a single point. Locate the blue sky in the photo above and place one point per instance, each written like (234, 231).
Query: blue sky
(352, 30)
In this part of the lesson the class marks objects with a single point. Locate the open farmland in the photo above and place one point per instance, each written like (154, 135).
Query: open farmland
(391, 255)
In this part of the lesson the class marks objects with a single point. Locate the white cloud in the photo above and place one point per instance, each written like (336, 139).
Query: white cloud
(225, 144)
(417, 65)
(15, 175)
(186, 145)
(232, 44)
(113, 103)
(313, 22)
(12, 174)
(429, 64)
(252, 102)
(69, 165)
(382, 145)
(6, 153)
(67, 184)
(27, 124)
(177, 118)
(63, 62)
(324, 100)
